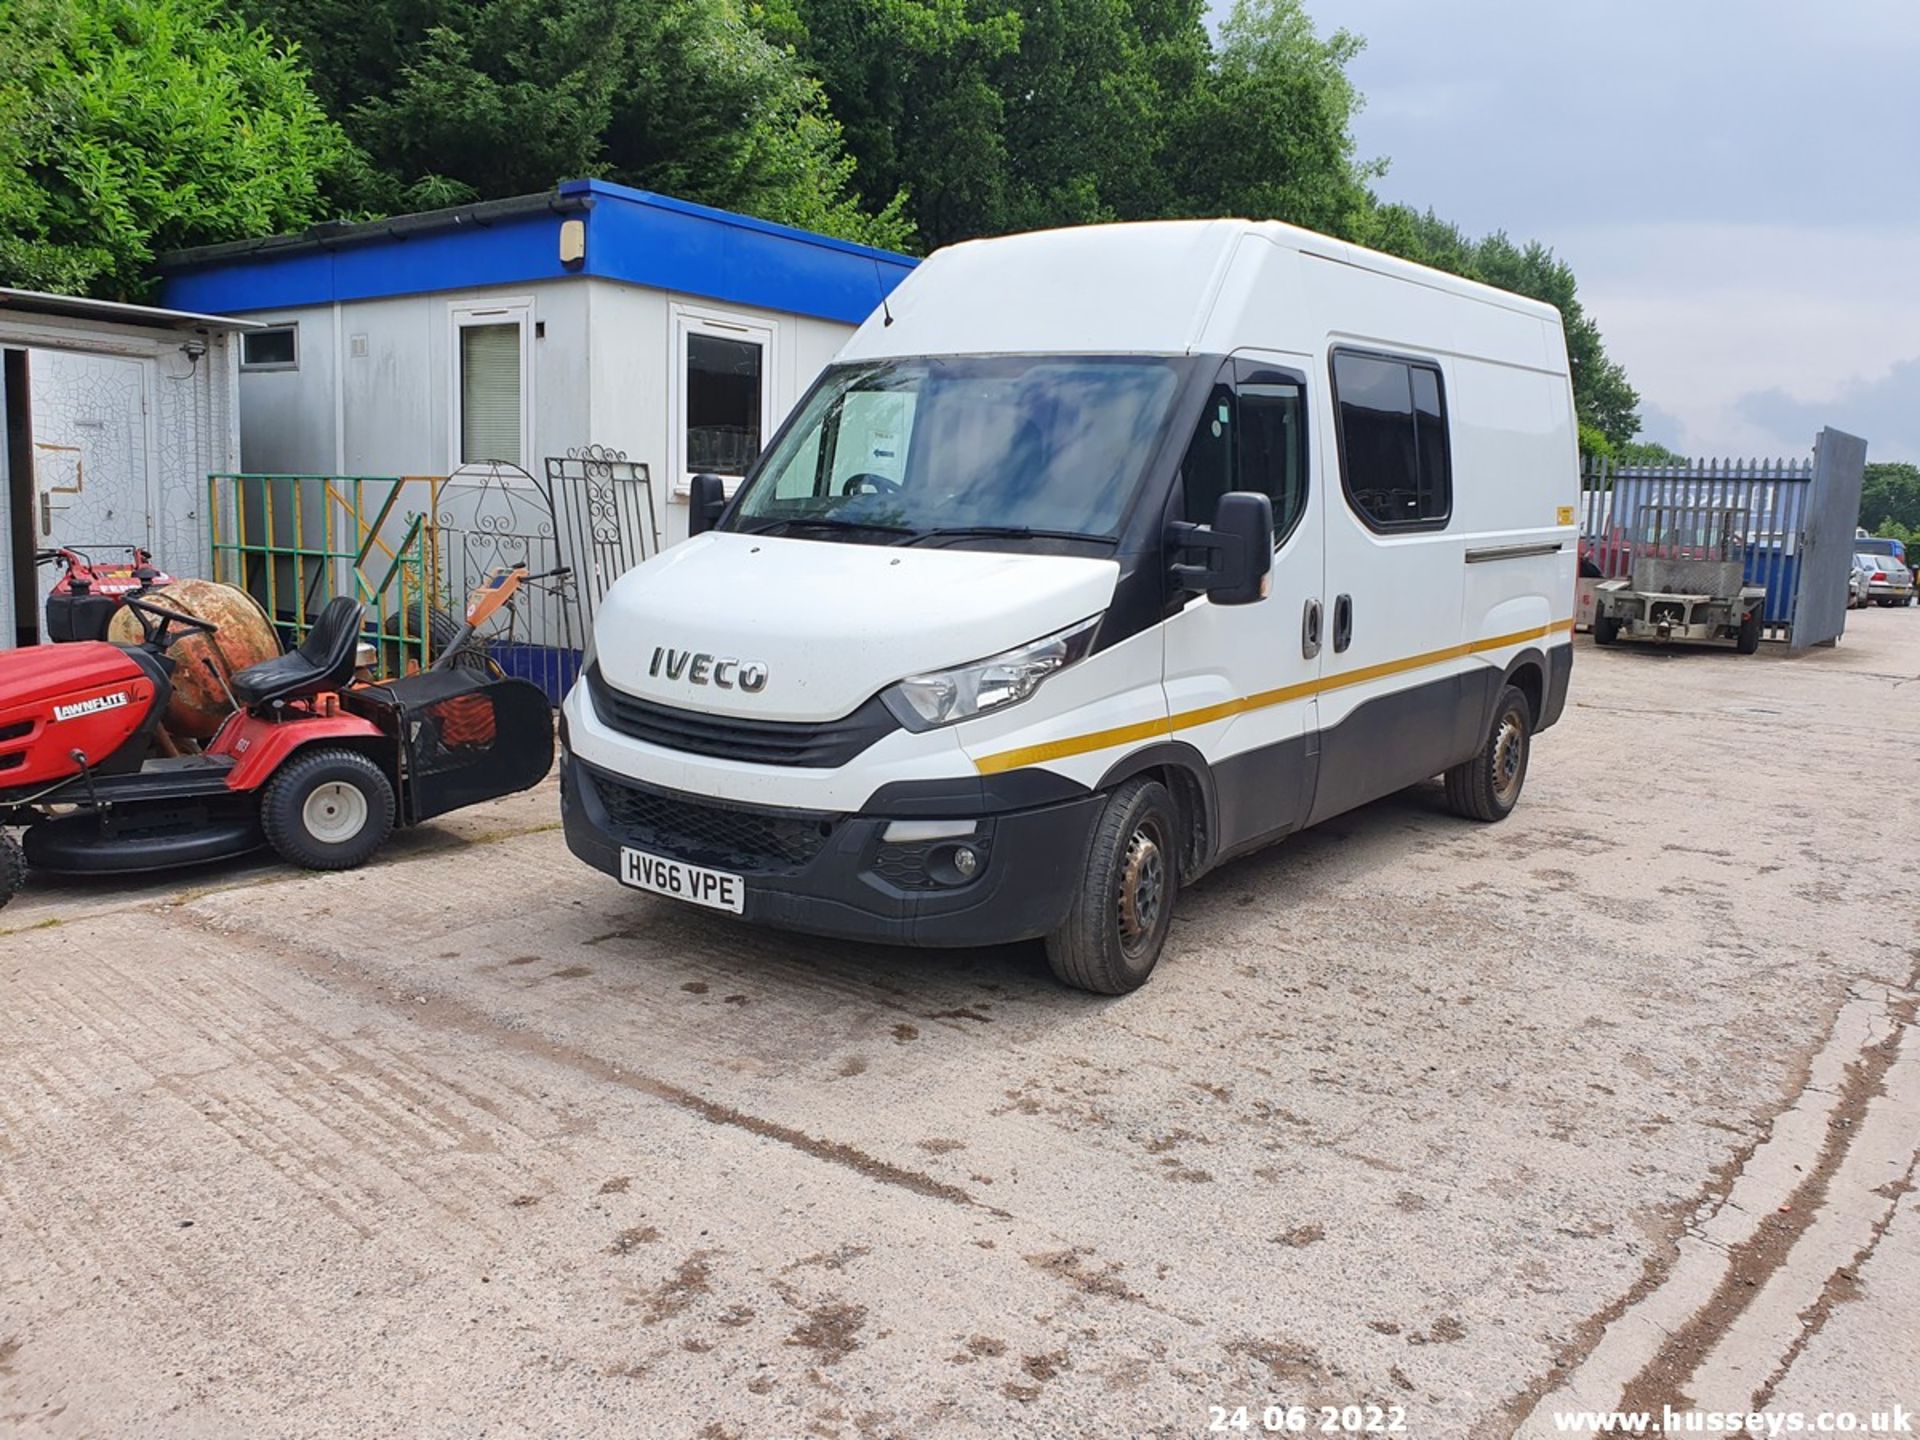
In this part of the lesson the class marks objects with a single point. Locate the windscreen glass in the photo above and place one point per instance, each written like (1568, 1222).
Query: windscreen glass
(1054, 445)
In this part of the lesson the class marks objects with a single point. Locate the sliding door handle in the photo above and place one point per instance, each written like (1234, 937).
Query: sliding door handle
(1310, 630)
(1342, 623)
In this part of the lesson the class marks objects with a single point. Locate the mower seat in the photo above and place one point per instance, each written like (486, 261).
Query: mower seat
(324, 660)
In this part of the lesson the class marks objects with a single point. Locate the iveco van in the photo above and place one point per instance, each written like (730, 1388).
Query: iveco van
(1096, 558)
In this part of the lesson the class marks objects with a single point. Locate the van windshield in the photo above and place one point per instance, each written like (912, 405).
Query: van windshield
(904, 451)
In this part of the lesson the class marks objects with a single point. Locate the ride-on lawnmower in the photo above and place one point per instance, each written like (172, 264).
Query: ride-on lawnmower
(85, 598)
(317, 767)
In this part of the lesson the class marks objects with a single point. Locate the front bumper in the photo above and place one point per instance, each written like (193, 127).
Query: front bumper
(833, 875)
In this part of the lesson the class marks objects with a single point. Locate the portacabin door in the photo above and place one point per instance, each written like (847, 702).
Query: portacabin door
(1241, 680)
(90, 475)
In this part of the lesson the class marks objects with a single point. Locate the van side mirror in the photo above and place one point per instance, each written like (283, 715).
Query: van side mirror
(706, 498)
(1238, 546)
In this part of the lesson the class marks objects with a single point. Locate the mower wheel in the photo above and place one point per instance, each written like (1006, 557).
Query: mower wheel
(13, 867)
(328, 810)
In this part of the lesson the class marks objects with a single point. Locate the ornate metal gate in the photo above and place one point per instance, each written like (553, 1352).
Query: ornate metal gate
(606, 506)
(492, 515)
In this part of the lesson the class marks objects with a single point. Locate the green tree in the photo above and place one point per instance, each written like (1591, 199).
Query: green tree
(1647, 452)
(130, 127)
(456, 100)
(1267, 130)
(1890, 496)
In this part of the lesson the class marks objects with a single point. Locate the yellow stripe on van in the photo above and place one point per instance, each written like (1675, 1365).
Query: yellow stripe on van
(1207, 714)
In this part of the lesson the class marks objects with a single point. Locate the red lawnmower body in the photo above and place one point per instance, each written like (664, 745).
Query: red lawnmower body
(116, 579)
(83, 601)
(89, 696)
(258, 746)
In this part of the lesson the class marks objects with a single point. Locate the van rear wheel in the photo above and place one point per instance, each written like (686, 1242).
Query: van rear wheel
(1123, 906)
(1487, 787)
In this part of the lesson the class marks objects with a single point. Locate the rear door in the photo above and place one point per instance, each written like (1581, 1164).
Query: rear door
(1240, 678)
(1391, 694)
(89, 451)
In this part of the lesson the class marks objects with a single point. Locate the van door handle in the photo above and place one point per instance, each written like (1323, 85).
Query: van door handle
(1342, 623)
(1310, 630)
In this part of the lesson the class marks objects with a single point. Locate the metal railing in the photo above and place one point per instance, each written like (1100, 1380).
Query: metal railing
(1768, 501)
(294, 542)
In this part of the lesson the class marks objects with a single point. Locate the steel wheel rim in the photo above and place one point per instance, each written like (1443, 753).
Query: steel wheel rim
(1509, 756)
(334, 812)
(1142, 892)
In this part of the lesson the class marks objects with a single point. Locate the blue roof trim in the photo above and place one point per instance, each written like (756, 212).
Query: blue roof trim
(633, 236)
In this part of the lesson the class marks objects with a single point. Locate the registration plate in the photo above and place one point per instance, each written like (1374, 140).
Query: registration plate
(715, 889)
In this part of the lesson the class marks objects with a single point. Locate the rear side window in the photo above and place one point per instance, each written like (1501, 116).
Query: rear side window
(1394, 459)
(1254, 438)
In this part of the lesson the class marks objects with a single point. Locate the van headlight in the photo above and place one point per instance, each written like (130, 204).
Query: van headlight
(922, 702)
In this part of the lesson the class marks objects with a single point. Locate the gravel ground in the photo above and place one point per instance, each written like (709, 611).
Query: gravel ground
(1418, 1113)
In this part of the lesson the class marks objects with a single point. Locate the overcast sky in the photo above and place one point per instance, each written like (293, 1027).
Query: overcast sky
(1735, 182)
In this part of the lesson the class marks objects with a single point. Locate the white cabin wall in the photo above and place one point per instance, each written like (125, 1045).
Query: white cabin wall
(634, 378)
(287, 416)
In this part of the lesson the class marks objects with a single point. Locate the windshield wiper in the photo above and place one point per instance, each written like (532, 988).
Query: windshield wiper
(1001, 532)
(823, 522)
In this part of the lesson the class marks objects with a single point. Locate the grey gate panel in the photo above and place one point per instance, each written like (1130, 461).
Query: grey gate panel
(606, 506)
(1820, 606)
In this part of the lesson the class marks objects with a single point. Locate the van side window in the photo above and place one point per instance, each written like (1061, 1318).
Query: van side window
(1207, 470)
(1394, 457)
(1255, 439)
(1273, 450)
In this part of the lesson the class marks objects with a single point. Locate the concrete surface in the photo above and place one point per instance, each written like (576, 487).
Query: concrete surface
(1417, 1113)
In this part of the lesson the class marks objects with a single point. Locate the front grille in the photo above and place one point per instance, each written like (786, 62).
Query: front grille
(707, 832)
(819, 745)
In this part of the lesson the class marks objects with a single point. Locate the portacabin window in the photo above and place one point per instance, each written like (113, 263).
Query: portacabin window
(277, 347)
(723, 403)
(492, 391)
(1250, 437)
(1395, 462)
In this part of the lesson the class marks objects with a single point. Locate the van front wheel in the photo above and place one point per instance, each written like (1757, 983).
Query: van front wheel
(1487, 787)
(1123, 906)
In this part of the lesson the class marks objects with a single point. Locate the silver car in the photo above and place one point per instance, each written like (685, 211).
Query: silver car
(1859, 588)
(1888, 581)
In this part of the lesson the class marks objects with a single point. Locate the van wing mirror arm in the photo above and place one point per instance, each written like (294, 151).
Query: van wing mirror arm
(1182, 536)
(1238, 545)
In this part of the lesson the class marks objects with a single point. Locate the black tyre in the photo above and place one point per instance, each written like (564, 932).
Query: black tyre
(327, 810)
(13, 868)
(1487, 787)
(1606, 629)
(1748, 640)
(1123, 906)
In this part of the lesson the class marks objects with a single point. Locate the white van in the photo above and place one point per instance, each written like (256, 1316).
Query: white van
(1097, 557)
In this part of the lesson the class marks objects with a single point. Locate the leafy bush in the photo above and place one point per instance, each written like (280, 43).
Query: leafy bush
(132, 127)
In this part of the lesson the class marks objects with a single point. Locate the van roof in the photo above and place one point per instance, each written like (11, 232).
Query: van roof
(1154, 287)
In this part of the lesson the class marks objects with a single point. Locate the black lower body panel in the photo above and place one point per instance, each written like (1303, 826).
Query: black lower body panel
(835, 875)
(1559, 674)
